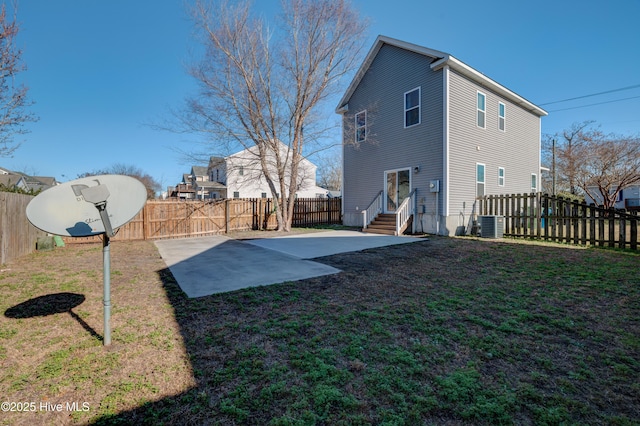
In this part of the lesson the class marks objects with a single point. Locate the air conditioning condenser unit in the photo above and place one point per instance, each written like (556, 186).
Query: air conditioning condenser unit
(491, 226)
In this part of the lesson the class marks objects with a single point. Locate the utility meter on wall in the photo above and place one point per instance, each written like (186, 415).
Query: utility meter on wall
(434, 186)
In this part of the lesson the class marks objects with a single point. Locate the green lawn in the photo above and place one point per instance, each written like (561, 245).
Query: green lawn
(443, 331)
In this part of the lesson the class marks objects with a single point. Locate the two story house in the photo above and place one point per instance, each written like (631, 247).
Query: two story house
(425, 135)
(240, 175)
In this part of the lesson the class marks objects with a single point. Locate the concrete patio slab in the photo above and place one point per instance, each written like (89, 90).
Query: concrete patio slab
(217, 264)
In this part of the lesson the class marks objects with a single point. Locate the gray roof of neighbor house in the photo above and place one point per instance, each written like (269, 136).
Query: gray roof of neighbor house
(215, 161)
(29, 182)
(199, 170)
(440, 60)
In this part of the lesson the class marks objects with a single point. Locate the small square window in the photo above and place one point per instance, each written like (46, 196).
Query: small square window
(501, 116)
(361, 126)
(236, 194)
(481, 107)
(264, 195)
(412, 107)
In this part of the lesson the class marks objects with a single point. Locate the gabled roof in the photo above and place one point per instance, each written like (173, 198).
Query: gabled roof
(439, 61)
(199, 170)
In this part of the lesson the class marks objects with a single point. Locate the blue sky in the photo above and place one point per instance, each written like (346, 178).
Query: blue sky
(100, 70)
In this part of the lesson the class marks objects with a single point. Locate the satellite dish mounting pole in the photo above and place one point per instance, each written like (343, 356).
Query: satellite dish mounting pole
(98, 196)
(106, 280)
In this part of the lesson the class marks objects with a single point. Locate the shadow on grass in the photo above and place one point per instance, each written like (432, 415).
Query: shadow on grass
(51, 304)
(473, 332)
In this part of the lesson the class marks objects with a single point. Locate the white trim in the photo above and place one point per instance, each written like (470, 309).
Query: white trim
(384, 183)
(503, 117)
(478, 110)
(445, 150)
(485, 81)
(484, 182)
(503, 176)
(419, 106)
(534, 189)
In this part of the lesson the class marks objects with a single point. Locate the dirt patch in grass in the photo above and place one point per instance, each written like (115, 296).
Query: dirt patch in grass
(442, 331)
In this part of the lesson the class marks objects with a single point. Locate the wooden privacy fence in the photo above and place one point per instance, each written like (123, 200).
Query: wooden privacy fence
(545, 217)
(17, 236)
(179, 219)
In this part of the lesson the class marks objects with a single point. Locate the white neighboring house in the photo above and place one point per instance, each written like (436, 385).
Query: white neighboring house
(628, 198)
(240, 175)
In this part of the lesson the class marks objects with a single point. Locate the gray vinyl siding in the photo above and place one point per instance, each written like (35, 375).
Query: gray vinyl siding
(389, 144)
(516, 149)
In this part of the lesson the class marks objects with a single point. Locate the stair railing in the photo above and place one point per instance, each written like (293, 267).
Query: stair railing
(404, 212)
(374, 209)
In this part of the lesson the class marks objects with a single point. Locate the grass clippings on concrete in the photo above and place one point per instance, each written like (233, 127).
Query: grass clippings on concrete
(443, 331)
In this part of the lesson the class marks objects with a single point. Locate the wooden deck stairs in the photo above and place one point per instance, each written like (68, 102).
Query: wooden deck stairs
(386, 224)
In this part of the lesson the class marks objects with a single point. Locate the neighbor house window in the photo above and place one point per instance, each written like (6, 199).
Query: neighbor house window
(264, 195)
(500, 176)
(361, 126)
(479, 180)
(241, 171)
(534, 182)
(236, 194)
(481, 106)
(412, 107)
(501, 115)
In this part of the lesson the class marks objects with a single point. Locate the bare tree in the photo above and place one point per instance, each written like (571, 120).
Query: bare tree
(13, 97)
(568, 145)
(147, 180)
(590, 162)
(264, 86)
(607, 166)
(330, 171)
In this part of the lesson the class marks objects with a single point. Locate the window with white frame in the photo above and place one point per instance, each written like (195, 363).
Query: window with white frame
(500, 176)
(412, 107)
(481, 107)
(534, 182)
(480, 179)
(502, 110)
(361, 126)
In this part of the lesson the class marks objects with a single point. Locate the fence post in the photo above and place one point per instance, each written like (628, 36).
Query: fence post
(634, 232)
(226, 215)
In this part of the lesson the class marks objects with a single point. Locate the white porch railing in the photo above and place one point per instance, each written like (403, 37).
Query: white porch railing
(375, 208)
(404, 212)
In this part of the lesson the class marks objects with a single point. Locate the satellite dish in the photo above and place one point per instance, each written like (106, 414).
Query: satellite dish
(87, 206)
(90, 206)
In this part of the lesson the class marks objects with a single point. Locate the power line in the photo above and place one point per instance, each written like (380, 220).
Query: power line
(599, 103)
(594, 94)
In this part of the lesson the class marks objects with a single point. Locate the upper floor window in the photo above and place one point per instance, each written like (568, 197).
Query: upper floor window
(361, 126)
(481, 106)
(412, 107)
(241, 171)
(501, 116)
(479, 180)
(500, 176)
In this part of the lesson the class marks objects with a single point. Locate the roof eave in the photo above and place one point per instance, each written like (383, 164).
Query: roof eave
(485, 81)
(381, 41)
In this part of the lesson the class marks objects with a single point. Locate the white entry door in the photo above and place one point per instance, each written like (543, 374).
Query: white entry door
(397, 188)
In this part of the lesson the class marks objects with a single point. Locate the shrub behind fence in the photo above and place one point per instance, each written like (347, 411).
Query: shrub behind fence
(545, 217)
